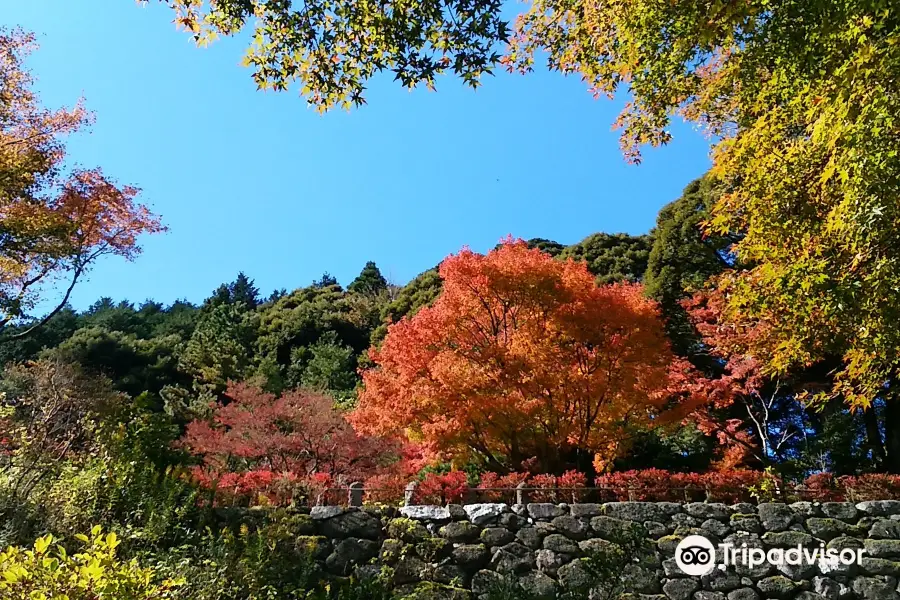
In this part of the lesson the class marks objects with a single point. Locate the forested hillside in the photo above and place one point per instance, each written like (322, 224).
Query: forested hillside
(313, 337)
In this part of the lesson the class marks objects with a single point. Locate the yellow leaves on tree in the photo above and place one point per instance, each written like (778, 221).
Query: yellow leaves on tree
(53, 225)
(521, 356)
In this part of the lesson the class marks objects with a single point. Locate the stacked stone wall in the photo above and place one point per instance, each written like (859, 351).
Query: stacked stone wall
(460, 551)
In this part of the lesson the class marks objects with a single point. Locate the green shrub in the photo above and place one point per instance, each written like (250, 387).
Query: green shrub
(48, 572)
(261, 561)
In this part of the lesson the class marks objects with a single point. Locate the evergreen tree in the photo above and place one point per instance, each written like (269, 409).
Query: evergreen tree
(370, 281)
(326, 280)
(683, 258)
(612, 257)
(241, 290)
(221, 349)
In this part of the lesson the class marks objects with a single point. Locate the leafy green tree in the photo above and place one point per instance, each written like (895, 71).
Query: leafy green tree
(548, 246)
(369, 281)
(420, 292)
(330, 367)
(333, 47)
(112, 316)
(612, 257)
(134, 365)
(221, 349)
(682, 260)
(179, 319)
(57, 329)
(292, 325)
(277, 295)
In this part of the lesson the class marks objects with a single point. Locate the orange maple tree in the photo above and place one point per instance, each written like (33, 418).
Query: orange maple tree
(521, 358)
(54, 224)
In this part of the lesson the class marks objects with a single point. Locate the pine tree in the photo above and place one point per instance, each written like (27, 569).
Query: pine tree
(370, 281)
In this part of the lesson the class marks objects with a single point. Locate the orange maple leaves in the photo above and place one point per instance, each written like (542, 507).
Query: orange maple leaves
(54, 223)
(521, 356)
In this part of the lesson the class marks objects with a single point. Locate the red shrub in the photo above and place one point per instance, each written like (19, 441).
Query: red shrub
(646, 484)
(543, 482)
(385, 489)
(733, 485)
(505, 486)
(300, 437)
(661, 485)
(822, 487)
(573, 482)
(450, 488)
(871, 486)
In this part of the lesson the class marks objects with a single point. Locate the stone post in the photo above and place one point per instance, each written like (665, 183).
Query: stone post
(521, 493)
(355, 494)
(410, 493)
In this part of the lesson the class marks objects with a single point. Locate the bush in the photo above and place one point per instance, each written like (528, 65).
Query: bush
(662, 485)
(47, 571)
(871, 486)
(448, 488)
(258, 558)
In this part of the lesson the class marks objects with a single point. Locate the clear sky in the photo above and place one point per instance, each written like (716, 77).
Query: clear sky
(257, 182)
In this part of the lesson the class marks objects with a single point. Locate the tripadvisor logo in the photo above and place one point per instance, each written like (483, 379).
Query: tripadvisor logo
(695, 555)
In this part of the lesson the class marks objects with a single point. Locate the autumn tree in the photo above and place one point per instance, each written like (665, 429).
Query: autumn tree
(300, 432)
(763, 419)
(520, 356)
(54, 224)
(803, 98)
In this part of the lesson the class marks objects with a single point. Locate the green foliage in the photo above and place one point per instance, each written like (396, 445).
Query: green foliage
(331, 367)
(333, 47)
(612, 257)
(369, 281)
(678, 448)
(607, 567)
(547, 246)
(242, 290)
(326, 280)
(48, 572)
(134, 364)
(221, 347)
(56, 330)
(767, 490)
(245, 562)
(421, 291)
(683, 258)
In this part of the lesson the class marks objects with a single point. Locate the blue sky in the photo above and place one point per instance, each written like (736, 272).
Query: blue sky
(257, 182)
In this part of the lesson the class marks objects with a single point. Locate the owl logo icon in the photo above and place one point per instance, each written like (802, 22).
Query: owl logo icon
(695, 555)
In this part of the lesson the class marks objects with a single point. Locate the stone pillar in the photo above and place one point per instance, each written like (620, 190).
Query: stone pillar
(355, 494)
(410, 493)
(521, 493)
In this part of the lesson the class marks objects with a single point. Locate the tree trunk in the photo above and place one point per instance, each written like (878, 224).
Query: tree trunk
(892, 434)
(873, 437)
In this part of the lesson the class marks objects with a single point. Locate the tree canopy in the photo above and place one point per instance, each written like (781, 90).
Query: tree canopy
(54, 223)
(520, 356)
(331, 48)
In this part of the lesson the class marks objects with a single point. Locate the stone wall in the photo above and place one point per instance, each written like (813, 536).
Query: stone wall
(458, 551)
